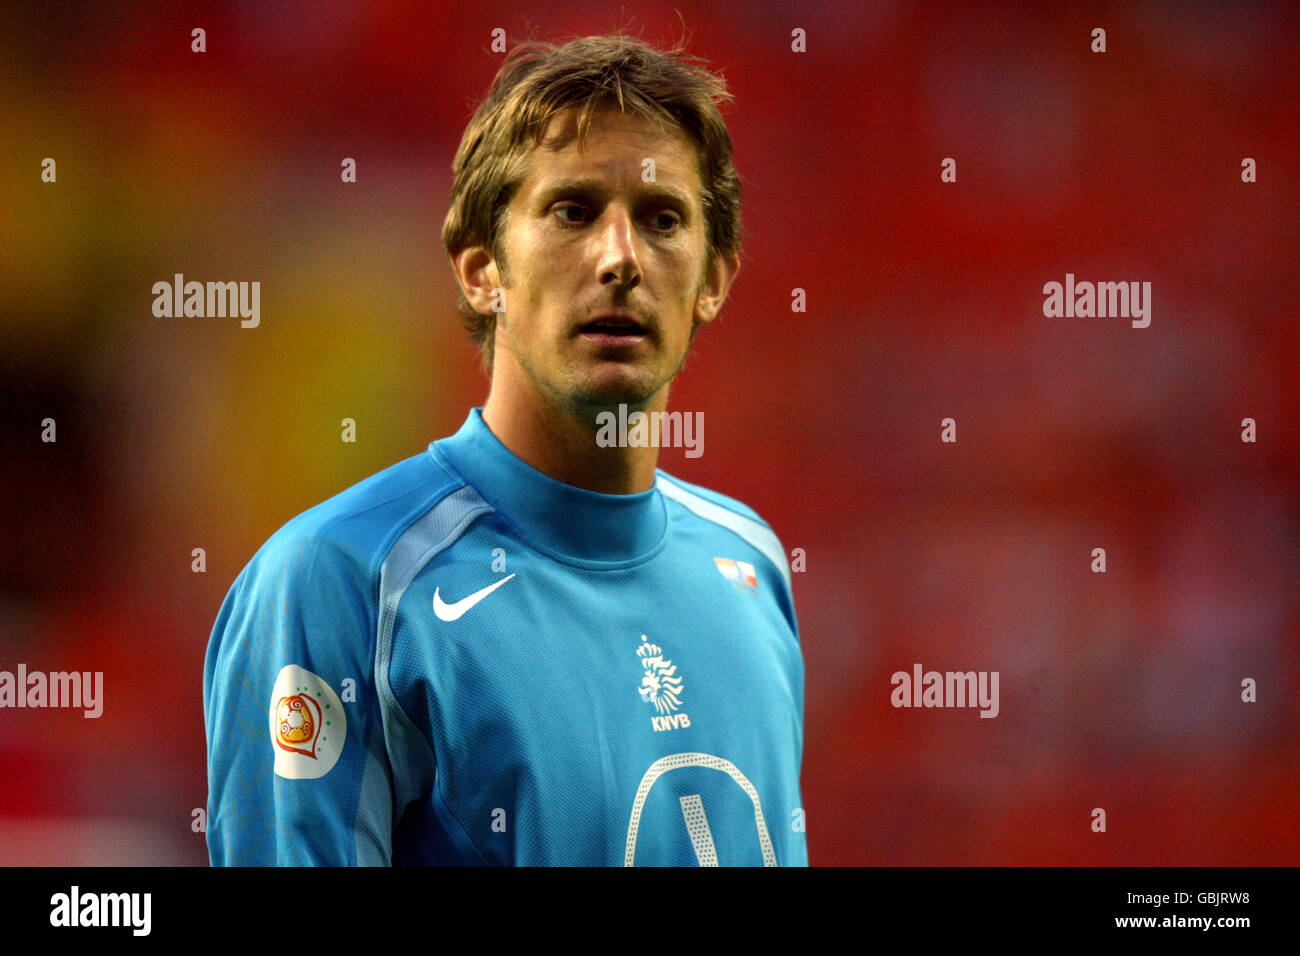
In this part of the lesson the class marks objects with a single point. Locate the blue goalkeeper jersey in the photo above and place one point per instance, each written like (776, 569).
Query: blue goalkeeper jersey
(461, 660)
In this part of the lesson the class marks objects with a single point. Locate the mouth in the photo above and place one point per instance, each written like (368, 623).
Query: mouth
(614, 330)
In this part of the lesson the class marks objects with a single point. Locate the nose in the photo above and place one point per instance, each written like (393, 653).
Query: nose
(619, 264)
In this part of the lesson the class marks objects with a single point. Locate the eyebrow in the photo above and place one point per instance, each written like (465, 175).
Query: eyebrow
(585, 185)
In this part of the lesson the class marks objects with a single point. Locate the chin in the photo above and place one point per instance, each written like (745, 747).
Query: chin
(615, 391)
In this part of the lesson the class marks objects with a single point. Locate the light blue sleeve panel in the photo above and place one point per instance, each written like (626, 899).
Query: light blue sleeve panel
(296, 763)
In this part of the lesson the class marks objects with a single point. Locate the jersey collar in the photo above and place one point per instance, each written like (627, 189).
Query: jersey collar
(563, 519)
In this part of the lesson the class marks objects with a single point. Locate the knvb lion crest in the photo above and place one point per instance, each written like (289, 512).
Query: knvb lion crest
(661, 686)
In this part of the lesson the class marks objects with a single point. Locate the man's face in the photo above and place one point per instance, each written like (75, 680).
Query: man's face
(605, 275)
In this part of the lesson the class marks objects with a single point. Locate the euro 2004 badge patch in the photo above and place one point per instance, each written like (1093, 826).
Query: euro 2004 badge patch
(308, 727)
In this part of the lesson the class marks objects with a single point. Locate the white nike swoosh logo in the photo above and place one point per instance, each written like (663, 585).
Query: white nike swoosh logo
(452, 612)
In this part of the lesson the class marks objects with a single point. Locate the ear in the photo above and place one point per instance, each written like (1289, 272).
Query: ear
(713, 292)
(478, 276)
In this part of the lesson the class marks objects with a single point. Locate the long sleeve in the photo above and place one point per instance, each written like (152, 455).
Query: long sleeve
(297, 765)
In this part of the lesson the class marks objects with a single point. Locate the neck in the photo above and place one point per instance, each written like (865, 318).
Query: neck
(560, 441)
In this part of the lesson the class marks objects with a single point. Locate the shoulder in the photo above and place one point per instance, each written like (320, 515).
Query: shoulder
(684, 491)
(728, 515)
(313, 593)
(350, 535)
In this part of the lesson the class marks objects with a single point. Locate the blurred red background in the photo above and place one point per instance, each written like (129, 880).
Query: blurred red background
(1119, 690)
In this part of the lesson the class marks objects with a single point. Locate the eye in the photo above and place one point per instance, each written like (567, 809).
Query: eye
(665, 221)
(563, 209)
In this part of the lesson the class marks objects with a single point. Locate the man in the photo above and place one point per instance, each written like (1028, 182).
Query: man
(527, 645)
